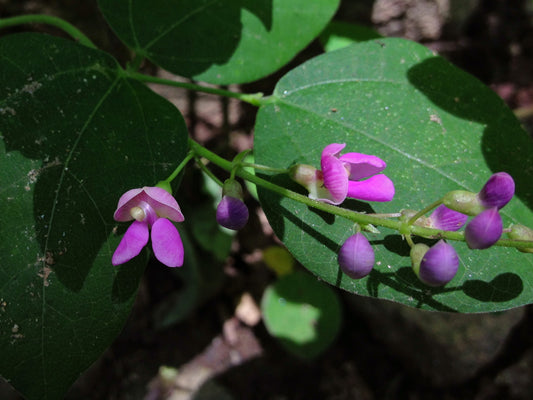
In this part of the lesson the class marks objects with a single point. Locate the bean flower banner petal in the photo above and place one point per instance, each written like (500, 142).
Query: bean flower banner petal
(75, 133)
(438, 129)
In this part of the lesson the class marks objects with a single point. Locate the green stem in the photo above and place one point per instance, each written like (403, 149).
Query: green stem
(424, 211)
(208, 172)
(182, 165)
(265, 168)
(342, 212)
(255, 99)
(74, 32)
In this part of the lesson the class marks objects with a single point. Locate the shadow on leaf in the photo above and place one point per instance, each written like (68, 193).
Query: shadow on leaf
(505, 145)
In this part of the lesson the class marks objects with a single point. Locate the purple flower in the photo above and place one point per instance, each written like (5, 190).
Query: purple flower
(446, 219)
(439, 264)
(498, 191)
(232, 213)
(484, 230)
(356, 256)
(344, 176)
(151, 208)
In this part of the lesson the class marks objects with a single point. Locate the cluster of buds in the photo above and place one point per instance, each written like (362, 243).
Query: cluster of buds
(437, 265)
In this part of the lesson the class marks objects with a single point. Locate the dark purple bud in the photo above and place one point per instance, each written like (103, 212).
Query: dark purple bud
(484, 230)
(439, 264)
(498, 190)
(232, 213)
(446, 219)
(356, 256)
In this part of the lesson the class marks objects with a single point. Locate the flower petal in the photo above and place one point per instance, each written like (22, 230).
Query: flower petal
(446, 219)
(498, 191)
(166, 243)
(439, 265)
(132, 243)
(164, 204)
(333, 149)
(125, 202)
(232, 213)
(362, 165)
(356, 256)
(484, 230)
(376, 188)
(335, 178)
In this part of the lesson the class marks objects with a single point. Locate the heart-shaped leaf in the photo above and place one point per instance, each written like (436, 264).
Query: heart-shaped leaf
(76, 134)
(438, 129)
(218, 41)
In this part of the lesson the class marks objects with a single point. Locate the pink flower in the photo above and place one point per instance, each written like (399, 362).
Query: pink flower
(354, 175)
(152, 208)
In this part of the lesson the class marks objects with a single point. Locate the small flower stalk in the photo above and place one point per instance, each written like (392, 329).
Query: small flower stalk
(152, 209)
(232, 213)
(356, 256)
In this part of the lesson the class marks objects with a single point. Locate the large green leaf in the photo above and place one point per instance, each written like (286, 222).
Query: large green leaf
(76, 134)
(438, 129)
(218, 41)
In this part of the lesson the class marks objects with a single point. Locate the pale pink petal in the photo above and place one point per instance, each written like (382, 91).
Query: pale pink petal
(164, 203)
(362, 165)
(166, 243)
(122, 212)
(333, 149)
(335, 178)
(132, 243)
(377, 188)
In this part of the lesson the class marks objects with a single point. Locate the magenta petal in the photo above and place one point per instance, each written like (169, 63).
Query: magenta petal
(122, 212)
(446, 219)
(356, 256)
(166, 243)
(377, 188)
(335, 178)
(498, 191)
(484, 230)
(164, 203)
(333, 149)
(439, 265)
(362, 165)
(132, 243)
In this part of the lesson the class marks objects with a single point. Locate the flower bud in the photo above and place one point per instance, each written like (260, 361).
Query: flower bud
(356, 256)
(484, 230)
(521, 232)
(498, 191)
(232, 213)
(438, 265)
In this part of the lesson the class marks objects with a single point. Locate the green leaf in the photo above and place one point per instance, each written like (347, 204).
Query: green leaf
(303, 314)
(438, 129)
(218, 41)
(341, 34)
(76, 134)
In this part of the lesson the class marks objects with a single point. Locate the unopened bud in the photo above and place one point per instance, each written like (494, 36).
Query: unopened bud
(521, 232)
(356, 256)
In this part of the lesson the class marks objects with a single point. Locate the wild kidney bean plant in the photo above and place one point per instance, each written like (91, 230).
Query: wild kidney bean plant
(385, 170)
